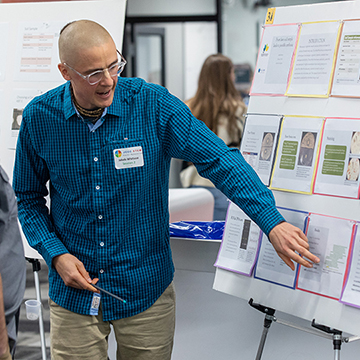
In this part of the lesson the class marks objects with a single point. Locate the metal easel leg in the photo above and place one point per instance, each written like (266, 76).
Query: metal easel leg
(337, 346)
(267, 324)
(269, 318)
(327, 332)
(337, 337)
(36, 268)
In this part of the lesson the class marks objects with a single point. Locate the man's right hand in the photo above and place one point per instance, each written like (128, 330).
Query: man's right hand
(73, 272)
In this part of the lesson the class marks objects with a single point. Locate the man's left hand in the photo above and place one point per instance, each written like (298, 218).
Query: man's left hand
(286, 239)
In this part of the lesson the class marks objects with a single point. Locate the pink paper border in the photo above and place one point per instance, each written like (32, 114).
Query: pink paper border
(291, 64)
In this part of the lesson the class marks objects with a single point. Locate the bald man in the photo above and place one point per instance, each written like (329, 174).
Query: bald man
(104, 144)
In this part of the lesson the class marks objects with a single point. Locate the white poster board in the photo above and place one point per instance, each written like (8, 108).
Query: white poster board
(305, 305)
(29, 55)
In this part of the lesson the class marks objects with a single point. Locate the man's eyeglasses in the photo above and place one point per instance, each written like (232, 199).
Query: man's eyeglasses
(96, 76)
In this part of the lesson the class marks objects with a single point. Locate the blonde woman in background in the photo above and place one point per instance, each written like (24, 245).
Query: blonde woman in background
(219, 105)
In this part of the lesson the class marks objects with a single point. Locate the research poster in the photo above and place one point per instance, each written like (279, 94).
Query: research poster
(329, 239)
(37, 52)
(240, 243)
(314, 59)
(339, 165)
(347, 69)
(274, 59)
(4, 29)
(297, 153)
(351, 291)
(258, 143)
(269, 266)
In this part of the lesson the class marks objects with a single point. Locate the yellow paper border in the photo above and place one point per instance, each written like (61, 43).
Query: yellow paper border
(333, 62)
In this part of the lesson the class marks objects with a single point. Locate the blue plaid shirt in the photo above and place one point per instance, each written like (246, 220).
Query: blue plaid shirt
(116, 221)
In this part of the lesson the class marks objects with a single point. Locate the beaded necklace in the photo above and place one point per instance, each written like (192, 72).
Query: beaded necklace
(92, 115)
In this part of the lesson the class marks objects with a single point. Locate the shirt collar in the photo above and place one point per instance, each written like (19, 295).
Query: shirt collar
(125, 90)
(69, 108)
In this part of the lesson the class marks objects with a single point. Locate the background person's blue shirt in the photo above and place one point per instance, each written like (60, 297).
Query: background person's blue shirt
(116, 221)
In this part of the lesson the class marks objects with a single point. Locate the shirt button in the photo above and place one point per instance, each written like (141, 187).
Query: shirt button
(100, 217)
(101, 271)
(95, 158)
(102, 243)
(97, 187)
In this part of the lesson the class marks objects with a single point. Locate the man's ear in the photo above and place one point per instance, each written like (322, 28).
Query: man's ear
(64, 71)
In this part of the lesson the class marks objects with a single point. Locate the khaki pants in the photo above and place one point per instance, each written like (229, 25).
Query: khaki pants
(145, 336)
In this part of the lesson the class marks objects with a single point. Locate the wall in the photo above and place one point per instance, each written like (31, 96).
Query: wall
(241, 22)
(171, 7)
(186, 47)
(242, 26)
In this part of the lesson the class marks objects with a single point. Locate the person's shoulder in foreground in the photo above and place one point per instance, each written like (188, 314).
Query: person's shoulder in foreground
(12, 266)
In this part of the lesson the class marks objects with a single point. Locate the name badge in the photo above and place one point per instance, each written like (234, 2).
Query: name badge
(128, 157)
(95, 303)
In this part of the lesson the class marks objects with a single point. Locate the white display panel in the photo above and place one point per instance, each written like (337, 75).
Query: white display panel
(299, 303)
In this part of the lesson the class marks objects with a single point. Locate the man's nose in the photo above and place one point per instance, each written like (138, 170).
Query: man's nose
(106, 77)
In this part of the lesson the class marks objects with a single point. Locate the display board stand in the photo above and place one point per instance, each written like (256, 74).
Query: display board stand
(302, 304)
(327, 332)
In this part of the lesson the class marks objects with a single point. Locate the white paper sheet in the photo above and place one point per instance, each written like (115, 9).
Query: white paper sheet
(351, 291)
(258, 143)
(37, 52)
(239, 247)
(347, 69)
(297, 154)
(4, 29)
(339, 165)
(274, 59)
(314, 59)
(269, 266)
(329, 239)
